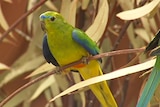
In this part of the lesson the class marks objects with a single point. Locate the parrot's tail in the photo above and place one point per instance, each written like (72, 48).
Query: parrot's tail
(101, 89)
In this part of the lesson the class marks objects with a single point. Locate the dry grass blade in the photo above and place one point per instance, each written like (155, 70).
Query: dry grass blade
(68, 11)
(96, 30)
(9, 1)
(50, 5)
(138, 12)
(143, 34)
(25, 67)
(109, 76)
(4, 67)
(43, 68)
(3, 22)
(44, 85)
(85, 4)
(22, 97)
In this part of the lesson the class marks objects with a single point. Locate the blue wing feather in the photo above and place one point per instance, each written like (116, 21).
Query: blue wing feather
(82, 39)
(47, 54)
(78, 36)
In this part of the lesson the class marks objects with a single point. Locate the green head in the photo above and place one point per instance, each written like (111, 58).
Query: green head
(50, 20)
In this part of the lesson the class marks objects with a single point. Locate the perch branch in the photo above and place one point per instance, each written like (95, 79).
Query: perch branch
(126, 51)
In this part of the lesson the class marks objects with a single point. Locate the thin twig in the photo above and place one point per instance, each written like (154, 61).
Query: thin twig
(122, 32)
(5, 34)
(118, 40)
(121, 35)
(126, 51)
(118, 52)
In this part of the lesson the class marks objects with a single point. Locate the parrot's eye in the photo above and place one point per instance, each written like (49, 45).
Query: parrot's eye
(52, 19)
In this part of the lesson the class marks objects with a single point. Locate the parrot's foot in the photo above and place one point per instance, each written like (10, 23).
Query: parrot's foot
(58, 70)
(84, 60)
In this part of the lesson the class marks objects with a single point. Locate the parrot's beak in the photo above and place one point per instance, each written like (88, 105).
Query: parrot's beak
(42, 17)
(43, 26)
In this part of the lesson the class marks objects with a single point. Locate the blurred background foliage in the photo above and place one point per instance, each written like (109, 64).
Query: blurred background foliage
(21, 49)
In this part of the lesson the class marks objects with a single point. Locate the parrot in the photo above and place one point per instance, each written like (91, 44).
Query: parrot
(154, 78)
(64, 44)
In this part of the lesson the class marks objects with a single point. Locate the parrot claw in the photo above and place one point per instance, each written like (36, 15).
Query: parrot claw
(58, 70)
(84, 60)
